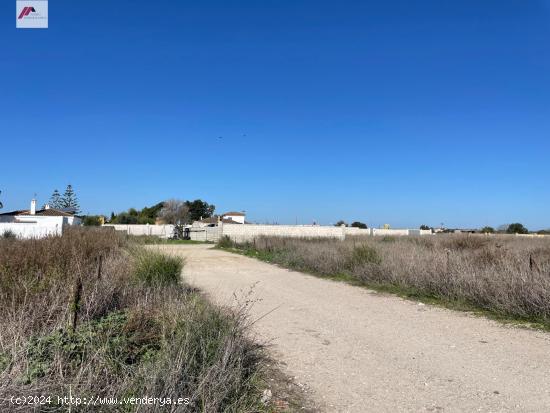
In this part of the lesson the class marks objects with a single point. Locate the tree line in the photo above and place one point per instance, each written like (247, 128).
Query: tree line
(172, 211)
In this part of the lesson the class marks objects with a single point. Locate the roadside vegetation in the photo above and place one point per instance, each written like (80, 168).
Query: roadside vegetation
(506, 277)
(90, 315)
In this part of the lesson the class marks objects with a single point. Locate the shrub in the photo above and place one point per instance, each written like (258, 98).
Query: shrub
(365, 254)
(92, 220)
(9, 234)
(155, 268)
(225, 242)
(516, 228)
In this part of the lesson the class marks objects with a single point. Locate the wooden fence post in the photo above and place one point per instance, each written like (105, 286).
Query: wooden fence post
(99, 263)
(75, 305)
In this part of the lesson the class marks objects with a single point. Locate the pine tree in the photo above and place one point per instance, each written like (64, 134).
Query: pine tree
(69, 200)
(55, 200)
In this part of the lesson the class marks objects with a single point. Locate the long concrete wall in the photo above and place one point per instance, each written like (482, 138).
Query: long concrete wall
(242, 233)
(163, 231)
(247, 232)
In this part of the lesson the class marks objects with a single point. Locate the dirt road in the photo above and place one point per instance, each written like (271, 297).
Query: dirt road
(359, 351)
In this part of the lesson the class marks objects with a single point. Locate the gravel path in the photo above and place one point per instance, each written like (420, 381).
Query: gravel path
(359, 351)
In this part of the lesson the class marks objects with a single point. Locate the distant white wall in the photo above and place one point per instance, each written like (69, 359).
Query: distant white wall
(209, 234)
(391, 232)
(247, 232)
(242, 233)
(357, 231)
(163, 231)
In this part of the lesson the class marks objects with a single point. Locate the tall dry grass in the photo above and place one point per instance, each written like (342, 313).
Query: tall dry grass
(505, 275)
(122, 325)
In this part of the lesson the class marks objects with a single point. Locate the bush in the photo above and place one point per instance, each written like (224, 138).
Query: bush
(365, 254)
(225, 242)
(154, 268)
(9, 234)
(516, 228)
(115, 342)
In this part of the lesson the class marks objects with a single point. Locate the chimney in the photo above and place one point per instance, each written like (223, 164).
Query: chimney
(33, 207)
(47, 206)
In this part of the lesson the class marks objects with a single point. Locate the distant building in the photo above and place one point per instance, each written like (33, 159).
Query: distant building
(227, 218)
(235, 216)
(40, 216)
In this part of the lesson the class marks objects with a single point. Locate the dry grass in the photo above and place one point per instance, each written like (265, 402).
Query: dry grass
(138, 330)
(507, 276)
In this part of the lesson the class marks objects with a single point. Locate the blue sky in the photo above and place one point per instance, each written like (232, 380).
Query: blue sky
(392, 112)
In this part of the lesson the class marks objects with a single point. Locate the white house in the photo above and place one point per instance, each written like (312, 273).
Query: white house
(216, 220)
(235, 216)
(35, 223)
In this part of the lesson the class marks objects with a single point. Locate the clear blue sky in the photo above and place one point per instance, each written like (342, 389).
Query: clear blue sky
(399, 112)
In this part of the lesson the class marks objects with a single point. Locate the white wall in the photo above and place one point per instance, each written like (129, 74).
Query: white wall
(247, 232)
(34, 230)
(163, 231)
(390, 232)
(210, 234)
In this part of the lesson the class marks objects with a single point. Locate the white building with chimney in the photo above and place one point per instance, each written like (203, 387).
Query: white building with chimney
(33, 223)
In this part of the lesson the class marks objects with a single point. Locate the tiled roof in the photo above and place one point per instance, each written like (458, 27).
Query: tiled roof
(50, 212)
(18, 212)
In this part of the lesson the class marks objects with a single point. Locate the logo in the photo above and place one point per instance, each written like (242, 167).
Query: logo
(26, 11)
(31, 14)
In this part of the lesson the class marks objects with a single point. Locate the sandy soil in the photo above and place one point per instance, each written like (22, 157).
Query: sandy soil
(359, 351)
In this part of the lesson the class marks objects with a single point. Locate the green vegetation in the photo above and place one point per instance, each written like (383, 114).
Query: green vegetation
(9, 234)
(516, 228)
(147, 215)
(487, 230)
(199, 209)
(155, 268)
(92, 220)
(354, 224)
(501, 276)
(171, 212)
(70, 321)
